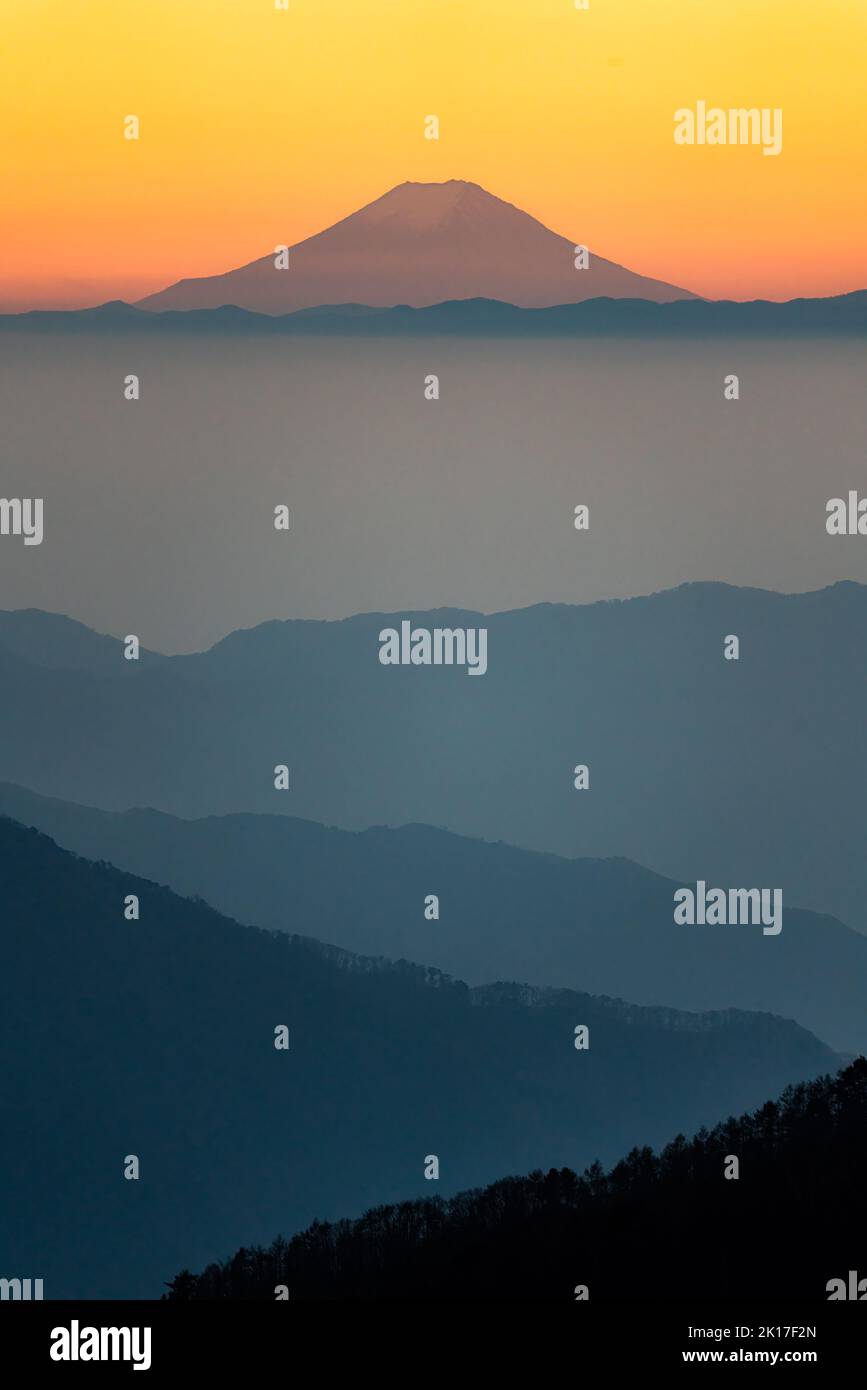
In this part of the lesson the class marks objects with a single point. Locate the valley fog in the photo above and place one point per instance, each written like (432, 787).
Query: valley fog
(159, 513)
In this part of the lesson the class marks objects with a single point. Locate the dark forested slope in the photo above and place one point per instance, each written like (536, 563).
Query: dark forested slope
(668, 1225)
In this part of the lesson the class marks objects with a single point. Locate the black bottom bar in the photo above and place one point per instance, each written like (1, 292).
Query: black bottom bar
(217, 1338)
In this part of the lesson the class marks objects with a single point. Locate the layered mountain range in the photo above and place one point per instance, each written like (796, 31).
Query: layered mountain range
(152, 1122)
(600, 925)
(743, 774)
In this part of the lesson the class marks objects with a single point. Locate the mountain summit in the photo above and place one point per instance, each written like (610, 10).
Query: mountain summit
(420, 244)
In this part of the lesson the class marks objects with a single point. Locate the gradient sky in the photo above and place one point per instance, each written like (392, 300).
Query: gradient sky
(261, 126)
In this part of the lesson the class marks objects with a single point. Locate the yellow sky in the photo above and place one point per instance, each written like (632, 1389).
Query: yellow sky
(260, 126)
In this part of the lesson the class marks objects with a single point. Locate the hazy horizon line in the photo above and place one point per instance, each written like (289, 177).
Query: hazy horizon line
(136, 307)
(412, 611)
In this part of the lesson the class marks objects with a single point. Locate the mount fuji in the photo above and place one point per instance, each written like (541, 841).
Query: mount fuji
(421, 244)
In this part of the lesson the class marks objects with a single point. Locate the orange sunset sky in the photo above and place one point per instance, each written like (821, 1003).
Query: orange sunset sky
(260, 126)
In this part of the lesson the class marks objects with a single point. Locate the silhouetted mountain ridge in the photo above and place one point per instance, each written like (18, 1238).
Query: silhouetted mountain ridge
(741, 773)
(601, 316)
(600, 925)
(658, 1226)
(155, 1038)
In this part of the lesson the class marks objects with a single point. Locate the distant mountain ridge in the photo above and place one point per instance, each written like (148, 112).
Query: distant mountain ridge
(605, 926)
(746, 773)
(155, 1038)
(419, 244)
(844, 314)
